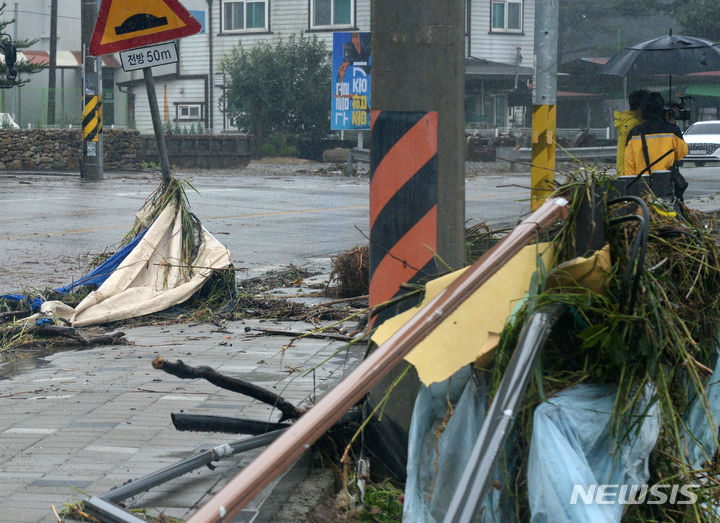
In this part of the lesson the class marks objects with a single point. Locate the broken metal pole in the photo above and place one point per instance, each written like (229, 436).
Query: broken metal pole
(183, 467)
(179, 369)
(109, 512)
(476, 477)
(228, 425)
(307, 334)
(314, 423)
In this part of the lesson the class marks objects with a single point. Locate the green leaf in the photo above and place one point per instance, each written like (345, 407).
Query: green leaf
(592, 336)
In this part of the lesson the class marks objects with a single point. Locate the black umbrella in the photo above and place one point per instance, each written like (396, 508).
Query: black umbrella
(670, 54)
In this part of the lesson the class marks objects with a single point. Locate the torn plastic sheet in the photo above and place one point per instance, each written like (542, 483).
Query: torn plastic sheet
(436, 464)
(151, 278)
(571, 446)
(95, 277)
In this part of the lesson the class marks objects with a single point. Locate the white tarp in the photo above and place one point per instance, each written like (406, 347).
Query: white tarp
(150, 279)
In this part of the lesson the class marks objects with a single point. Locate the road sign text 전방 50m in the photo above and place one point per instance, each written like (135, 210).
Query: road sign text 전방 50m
(149, 56)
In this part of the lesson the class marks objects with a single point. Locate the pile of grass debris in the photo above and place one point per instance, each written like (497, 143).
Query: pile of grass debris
(171, 192)
(351, 272)
(351, 269)
(479, 238)
(16, 334)
(656, 324)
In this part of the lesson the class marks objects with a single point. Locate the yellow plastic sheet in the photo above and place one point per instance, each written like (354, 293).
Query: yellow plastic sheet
(473, 330)
(591, 273)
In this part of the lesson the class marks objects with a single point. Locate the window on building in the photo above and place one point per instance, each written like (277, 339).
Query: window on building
(332, 13)
(189, 111)
(506, 15)
(245, 16)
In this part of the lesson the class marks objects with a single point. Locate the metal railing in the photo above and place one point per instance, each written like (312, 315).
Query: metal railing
(599, 132)
(356, 155)
(524, 154)
(510, 154)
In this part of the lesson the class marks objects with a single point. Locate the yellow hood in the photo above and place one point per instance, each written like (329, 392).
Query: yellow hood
(626, 119)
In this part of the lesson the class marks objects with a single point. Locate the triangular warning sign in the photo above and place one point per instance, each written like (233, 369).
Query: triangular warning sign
(126, 24)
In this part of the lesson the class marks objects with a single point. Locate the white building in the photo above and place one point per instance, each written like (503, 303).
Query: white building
(28, 104)
(189, 93)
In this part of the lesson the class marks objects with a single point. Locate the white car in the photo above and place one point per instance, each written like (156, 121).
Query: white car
(703, 139)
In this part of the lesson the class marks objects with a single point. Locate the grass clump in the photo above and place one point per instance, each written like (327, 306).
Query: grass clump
(654, 328)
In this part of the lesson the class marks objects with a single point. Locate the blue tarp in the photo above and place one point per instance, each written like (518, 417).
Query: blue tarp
(437, 456)
(571, 446)
(95, 277)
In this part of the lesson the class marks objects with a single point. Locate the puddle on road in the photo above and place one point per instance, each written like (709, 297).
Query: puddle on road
(15, 362)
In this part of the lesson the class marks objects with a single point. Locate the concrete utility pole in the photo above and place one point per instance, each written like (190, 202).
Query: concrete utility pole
(418, 65)
(91, 161)
(211, 72)
(542, 172)
(16, 97)
(53, 62)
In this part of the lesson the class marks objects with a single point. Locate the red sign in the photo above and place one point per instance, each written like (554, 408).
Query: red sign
(127, 24)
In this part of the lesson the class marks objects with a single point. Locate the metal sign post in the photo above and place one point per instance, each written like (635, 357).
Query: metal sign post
(123, 25)
(157, 123)
(91, 128)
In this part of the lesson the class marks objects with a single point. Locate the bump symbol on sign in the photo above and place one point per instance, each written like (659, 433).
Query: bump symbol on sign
(140, 22)
(129, 24)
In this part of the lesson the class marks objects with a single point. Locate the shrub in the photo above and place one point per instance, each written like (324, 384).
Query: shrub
(280, 90)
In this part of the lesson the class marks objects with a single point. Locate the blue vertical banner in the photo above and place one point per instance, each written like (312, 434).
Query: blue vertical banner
(351, 64)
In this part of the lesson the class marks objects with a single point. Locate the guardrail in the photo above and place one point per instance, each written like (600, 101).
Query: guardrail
(567, 132)
(524, 154)
(510, 154)
(356, 155)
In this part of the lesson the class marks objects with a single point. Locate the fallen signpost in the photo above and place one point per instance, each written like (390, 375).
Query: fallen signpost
(131, 24)
(105, 507)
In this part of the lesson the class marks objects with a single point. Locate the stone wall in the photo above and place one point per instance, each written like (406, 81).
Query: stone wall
(60, 150)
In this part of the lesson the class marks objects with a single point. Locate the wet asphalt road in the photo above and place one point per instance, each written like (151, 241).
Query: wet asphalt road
(269, 216)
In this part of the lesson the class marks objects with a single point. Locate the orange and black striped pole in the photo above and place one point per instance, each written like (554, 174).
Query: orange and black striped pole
(403, 203)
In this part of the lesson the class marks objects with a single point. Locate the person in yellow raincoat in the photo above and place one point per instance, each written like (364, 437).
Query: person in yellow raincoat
(625, 121)
(655, 144)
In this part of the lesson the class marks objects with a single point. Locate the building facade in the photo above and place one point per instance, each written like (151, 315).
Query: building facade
(27, 104)
(498, 34)
(499, 48)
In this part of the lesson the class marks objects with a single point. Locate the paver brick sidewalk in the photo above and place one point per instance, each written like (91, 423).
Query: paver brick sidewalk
(97, 418)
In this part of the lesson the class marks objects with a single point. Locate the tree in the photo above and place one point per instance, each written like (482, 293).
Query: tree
(698, 18)
(280, 91)
(23, 68)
